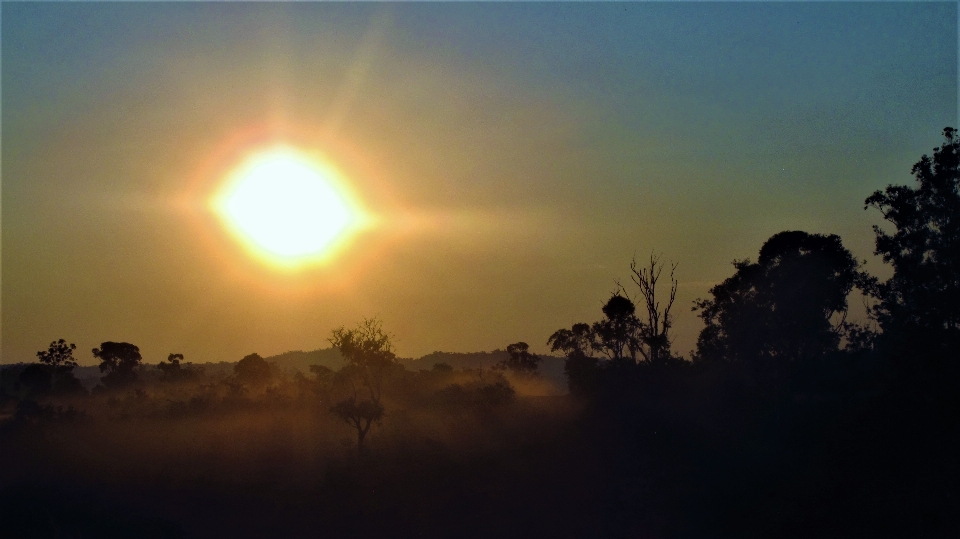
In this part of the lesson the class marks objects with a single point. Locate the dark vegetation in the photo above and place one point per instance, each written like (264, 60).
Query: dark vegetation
(787, 421)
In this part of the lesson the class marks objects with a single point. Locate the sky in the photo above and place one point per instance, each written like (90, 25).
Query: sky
(514, 159)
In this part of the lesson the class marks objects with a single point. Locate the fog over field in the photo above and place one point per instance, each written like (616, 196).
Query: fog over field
(566, 270)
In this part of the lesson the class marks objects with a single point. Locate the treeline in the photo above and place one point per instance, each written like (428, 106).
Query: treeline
(787, 421)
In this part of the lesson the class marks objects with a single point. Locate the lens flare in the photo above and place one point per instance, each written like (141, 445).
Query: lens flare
(285, 206)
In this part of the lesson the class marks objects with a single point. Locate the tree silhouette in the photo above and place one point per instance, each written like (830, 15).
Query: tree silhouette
(171, 369)
(780, 308)
(174, 370)
(580, 366)
(58, 358)
(920, 303)
(617, 336)
(59, 354)
(252, 371)
(520, 361)
(655, 332)
(360, 414)
(119, 360)
(621, 335)
(577, 340)
(369, 355)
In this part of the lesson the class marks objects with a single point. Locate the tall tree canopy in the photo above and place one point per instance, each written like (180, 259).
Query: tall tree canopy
(58, 355)
(921, 302)
(119, 361)
(781, 306)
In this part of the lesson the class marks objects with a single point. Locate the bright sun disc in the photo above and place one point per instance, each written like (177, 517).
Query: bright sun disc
(285, 205)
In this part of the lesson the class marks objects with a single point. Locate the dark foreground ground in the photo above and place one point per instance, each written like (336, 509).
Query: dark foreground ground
(666, 455)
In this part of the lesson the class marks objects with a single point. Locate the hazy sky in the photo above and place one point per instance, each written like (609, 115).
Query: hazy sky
(516, 157)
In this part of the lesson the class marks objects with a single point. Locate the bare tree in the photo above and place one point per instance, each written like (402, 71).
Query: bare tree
(655, 331)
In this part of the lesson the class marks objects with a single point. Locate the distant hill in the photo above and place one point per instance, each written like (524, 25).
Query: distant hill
(457, 360)
(299, 360)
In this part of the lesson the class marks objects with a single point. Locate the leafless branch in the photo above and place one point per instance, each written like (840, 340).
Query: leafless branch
(659, 322)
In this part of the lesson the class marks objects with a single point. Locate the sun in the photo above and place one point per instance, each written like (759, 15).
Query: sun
(285, 206)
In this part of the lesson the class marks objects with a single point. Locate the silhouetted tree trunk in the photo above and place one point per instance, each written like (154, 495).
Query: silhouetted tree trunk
(361, 434)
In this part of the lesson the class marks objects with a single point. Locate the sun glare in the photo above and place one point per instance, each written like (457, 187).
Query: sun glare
(285, 206)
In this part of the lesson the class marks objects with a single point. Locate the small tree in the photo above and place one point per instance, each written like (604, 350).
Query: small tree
(253, 371)
(520, 361)
(617, 336)
(119, 360)
(580, 365)
(58, 357)
(173, 369)
(360, 414)
(577, 340)
(369, 355)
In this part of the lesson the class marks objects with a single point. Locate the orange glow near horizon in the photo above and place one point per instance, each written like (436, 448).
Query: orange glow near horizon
(287, 208)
